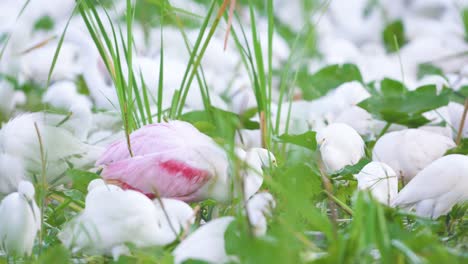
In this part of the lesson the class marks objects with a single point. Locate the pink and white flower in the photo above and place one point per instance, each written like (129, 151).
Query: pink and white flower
(172, 160)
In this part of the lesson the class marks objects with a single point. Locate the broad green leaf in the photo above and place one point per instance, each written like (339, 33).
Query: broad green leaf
(81, 85)
(231, 238)
(397, 105)
(462, 148)
(56, 254)
(251, 249)
(392, 31)
(460, 95)
(390, 87)
(463, 91)
(75, 194)
(44, 23)
(352, 169)
(326, 79)
(296, 186)
(306, 140)
(219, 123)
(81, 178)
(428, 69)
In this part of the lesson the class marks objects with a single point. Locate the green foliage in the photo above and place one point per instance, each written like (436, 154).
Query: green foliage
(81, 178)
(240, 243)
(148, 14)
(464, 16)
(326, 79)
(296, 187)
(194, 261)
(236, 239)
(394, 32)
(56, 254)
(306, 41)
(462, 148)
(463, 91)
(378, 234)
(428, 69)
(81, 85)
(218, 123)
(306, 140)
(133, 109)
(349, 170)
(44, 23)
(145, 256)
(395, 104)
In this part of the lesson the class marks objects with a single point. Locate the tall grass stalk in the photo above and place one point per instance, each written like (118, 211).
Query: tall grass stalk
(133, 98)
(196, 57)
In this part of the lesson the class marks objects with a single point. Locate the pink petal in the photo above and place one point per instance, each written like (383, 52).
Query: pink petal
(155, 138)
(171, 177)
(149, 139)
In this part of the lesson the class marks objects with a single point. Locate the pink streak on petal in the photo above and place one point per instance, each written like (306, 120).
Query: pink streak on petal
(175, 166)
(159, 173)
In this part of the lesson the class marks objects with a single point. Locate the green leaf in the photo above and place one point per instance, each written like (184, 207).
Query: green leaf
(460, 95)
(306, 140)
(218, 123)
(397, 105)
(81, 85)
(81, 178)
(326, 79)
(390, 87)
(392, 31)
(231, 238)
(465, 22)
(251, 249)
(195, 261)
(462, 148)
(56, 254)
(350, 170)
(44, 23)
(74, 194)
(297, 186)
(428, 69)
(463, 91)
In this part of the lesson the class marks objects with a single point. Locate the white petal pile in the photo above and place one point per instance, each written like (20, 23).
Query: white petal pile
(254, 160)
(206, 243)
(113, 217)
(340, 145)
(259, 207)
(409, 151)
(380, 179)
(20, 220)
(34, 140)
(437, 188)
